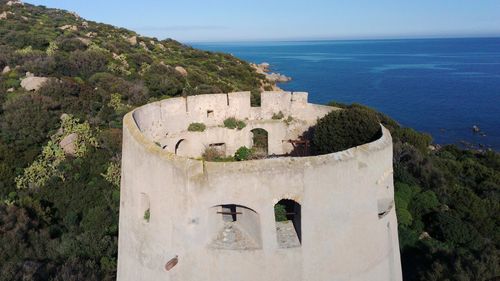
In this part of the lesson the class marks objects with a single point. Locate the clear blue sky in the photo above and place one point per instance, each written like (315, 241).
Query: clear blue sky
(237, 20)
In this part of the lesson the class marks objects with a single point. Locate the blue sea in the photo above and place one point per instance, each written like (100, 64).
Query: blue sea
(439, 86)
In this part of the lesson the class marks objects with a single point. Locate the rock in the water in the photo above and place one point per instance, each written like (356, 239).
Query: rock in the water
(6, 69)
(277, 78)
(181, 70)
(33, 83)
(68, 144)
(476, 129)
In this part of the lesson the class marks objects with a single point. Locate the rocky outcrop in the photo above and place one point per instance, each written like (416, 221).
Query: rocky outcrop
(132, 40)
(181, 70)
(15, 2)
(85, 41)
(277, 78)
(6, 69)
(263, 68)
(32, 83)
(3, 15)
(69, 27)
(68, 144)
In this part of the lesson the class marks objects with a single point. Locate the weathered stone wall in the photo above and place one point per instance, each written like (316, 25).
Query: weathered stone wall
(166, 122)
(349, 229)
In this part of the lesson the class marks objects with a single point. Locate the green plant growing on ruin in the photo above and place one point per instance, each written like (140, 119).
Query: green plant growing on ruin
(278, 116)
(233, 123)
(147, 215)
(243, 153)
(346, 128)
(289, 120)
(280, 212)
(197, 127)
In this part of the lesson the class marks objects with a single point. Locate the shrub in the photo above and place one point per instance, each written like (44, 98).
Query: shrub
(280, 212)
(243, 153)
(197, 127)
(343, 129)
(211, 154)
(408, 135)
(147, 215)
(278, 116)
(233, 123)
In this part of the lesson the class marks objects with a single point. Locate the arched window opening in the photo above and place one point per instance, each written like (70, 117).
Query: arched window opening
(287, 214)
(234, 227)
(179, 147)
(260, 141)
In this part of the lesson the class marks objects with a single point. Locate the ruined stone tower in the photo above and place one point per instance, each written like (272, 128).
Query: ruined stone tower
(185, 219)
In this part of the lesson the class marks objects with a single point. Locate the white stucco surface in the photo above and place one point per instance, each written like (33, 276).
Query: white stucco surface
(348, 224)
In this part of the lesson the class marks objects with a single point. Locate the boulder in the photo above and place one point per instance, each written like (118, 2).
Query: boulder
(6, 69)
(144, 46)
(3, 15)
(68, 144)
(277, 78)
(10, 90)
(181, 70)
(85, 41)
(69, 27)
(33, 83)
(14, 2)
(132, 40)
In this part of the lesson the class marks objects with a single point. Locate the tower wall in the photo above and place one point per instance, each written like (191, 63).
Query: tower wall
(348, 222)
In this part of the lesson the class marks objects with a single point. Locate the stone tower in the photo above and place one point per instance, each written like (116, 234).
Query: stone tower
(185, 219)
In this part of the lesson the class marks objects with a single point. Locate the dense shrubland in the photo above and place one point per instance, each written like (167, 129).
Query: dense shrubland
(65, 227)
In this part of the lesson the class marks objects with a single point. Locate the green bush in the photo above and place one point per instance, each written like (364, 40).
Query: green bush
(408, 135)
(243, 153)
(343, 129)
(197, 127)
(278, 116)
(233, 123)
(280, 212)
(147, 215)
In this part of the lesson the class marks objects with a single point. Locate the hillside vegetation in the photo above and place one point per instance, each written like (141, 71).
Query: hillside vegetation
(59, 203)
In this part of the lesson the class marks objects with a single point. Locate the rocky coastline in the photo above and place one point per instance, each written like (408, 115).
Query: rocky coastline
(271, 77)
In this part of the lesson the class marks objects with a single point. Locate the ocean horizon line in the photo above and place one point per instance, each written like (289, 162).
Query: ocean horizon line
(292, 40)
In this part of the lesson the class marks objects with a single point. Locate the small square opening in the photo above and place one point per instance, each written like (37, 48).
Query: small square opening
(210, 113)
